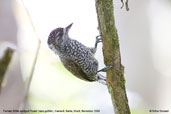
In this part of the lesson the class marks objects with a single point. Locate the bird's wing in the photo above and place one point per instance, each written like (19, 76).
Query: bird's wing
(74, 69)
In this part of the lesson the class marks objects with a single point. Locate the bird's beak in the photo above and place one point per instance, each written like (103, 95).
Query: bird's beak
(68, 27)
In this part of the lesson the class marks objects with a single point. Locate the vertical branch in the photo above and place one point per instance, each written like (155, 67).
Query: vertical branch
(4, 62)
(34, 61)
(111, 52)
(29, 80)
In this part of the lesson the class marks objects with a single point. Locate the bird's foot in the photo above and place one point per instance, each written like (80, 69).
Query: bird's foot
(98, 39)
(105, 68)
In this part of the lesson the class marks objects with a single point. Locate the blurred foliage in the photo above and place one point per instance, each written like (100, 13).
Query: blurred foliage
(38, 103)
(59, 65)
(138, 111)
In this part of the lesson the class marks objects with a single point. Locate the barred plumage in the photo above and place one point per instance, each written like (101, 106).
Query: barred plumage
(75, 56)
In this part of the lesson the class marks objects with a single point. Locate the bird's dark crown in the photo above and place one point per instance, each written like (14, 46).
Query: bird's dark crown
(55, 35)
(58, 34)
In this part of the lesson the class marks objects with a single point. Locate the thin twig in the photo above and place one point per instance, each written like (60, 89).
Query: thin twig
(34, 62)
(126, 4)
(4, 63)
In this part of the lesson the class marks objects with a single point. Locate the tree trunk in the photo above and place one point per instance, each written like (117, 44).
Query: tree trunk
(111, 52)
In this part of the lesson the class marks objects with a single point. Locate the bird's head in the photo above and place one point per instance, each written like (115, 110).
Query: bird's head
(58, 35)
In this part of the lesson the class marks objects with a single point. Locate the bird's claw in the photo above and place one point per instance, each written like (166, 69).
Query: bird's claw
(98, 39)
(105, 68)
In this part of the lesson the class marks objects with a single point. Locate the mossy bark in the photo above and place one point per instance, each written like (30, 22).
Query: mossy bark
(111, 52)
(4, 62)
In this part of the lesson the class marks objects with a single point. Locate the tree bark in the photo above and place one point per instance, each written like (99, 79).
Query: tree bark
(4, 62)
(111, 52)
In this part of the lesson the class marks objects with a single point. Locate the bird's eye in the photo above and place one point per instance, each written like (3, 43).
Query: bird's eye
(58, 39)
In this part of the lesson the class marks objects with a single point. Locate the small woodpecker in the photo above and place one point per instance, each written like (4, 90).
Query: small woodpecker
(76, 57)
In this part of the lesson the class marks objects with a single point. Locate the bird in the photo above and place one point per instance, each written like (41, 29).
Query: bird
(75, 56)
